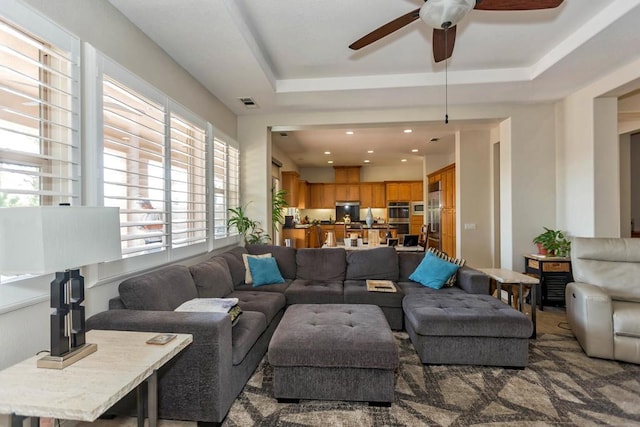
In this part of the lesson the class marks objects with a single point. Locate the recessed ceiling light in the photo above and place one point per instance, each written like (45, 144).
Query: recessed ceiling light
(367, 161)
(330, 161)
(327, 152)
(403, 160)
(349, 132)
(370, 151)
(415, 150)
(407, 131)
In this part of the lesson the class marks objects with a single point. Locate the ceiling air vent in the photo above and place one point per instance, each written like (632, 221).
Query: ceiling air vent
(248, 102)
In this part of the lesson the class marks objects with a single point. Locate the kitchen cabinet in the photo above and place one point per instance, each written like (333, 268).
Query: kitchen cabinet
(415, 226)
(303, 195)
(321, 196)
(400, 191)
(417, 195)
(306, 237)
(372, 194)
(290, 185)
(447, 176)
(347, 192)
(347, 174)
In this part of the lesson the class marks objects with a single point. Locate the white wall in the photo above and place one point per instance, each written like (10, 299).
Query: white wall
(474, 184)
(25, 330)
(589, 168)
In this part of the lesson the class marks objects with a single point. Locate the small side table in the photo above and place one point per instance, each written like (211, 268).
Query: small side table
(84, 390)
(503, 276)
(554, 274)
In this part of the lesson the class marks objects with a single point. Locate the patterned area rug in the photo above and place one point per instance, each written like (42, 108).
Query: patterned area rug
(561, 386)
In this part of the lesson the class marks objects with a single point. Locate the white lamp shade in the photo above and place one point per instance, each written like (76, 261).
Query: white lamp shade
(435, 13)
(46, 239)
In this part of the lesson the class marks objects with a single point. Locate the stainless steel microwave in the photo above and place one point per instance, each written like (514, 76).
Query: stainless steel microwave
(417, 208)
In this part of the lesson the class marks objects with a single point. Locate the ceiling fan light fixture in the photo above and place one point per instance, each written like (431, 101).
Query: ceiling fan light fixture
(442, 14)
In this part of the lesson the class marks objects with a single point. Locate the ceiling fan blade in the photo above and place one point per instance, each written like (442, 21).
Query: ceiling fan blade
(386, 29)
(443, 42)
(516, 4)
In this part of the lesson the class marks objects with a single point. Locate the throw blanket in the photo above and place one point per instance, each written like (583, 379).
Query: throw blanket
(213, 305)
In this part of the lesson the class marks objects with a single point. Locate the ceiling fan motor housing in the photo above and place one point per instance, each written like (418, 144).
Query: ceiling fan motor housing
(442, 14)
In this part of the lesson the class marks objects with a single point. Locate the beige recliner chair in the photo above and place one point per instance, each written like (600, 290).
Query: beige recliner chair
(603, 302)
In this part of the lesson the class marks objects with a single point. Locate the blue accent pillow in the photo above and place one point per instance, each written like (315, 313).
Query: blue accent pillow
(264, 271)
(433, 272)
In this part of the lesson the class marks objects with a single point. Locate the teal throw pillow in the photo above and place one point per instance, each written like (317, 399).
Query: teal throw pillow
(264, 271)
(433, 272)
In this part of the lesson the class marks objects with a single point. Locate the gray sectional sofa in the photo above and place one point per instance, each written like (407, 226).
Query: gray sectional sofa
(202, 382)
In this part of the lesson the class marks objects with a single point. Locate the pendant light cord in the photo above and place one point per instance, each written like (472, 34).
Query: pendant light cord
(446, 78)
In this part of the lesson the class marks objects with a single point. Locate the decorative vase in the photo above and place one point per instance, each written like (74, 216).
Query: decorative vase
(369, 218)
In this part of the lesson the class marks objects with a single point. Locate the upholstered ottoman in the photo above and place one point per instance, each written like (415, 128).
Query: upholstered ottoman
(467, 329)
(334, 352)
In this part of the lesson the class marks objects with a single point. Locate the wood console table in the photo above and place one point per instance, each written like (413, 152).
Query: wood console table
(504, 276)
(84, 390)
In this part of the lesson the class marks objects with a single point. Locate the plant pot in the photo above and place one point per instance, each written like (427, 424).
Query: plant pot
(541, 249)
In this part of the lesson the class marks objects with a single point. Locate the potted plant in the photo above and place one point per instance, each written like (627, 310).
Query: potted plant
(278, 202)
(248, 228)
(552, 242)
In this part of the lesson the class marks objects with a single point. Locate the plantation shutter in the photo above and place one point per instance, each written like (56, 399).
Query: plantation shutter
(226, 186)
(134, 166)
(39, 118)
(188, 182)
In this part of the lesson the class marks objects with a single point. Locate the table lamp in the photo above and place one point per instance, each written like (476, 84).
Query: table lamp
(47, 239)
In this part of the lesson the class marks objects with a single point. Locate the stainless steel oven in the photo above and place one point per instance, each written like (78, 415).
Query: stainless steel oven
(398, 212)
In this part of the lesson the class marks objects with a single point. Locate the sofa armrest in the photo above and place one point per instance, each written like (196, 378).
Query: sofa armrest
(590, 315)
(472, 281)
(191, 385)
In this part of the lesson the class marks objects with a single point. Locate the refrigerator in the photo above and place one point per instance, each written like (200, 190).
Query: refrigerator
(434, 214)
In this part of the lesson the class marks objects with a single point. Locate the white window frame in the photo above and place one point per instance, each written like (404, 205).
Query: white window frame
(28, 289)
(230, 238)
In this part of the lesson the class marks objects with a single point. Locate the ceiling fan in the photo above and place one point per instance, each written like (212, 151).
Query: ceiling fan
(444, 15)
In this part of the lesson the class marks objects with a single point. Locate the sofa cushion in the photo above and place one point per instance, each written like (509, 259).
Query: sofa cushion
(248, 277)
(321, 264)
(163, 289)
(267, 303)
(411, 287)
(236, 266)
(285, 257)
(264, 271)
(302, 291)
(275, 288)
(379, 263)
(355, 292)
(433, 271)
(407, 264)
(460, 262)
(245, 334)
(212, 278)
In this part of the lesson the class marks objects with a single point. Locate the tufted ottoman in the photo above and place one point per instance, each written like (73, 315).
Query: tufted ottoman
(334, 352)
(467, 329)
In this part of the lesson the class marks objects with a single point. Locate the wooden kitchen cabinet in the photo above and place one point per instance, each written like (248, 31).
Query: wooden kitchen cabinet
(347, 192)
(347, 174)
(401, 191)
(322, 196)
(372, 194)
(304, 237)
(303, 195)
(447, 176)
(290, 185)
(449, 187)
(417, 194)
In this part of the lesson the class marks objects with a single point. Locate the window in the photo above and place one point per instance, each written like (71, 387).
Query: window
(188, 182)
(226, 185)
(39, 116)
(133, 166)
